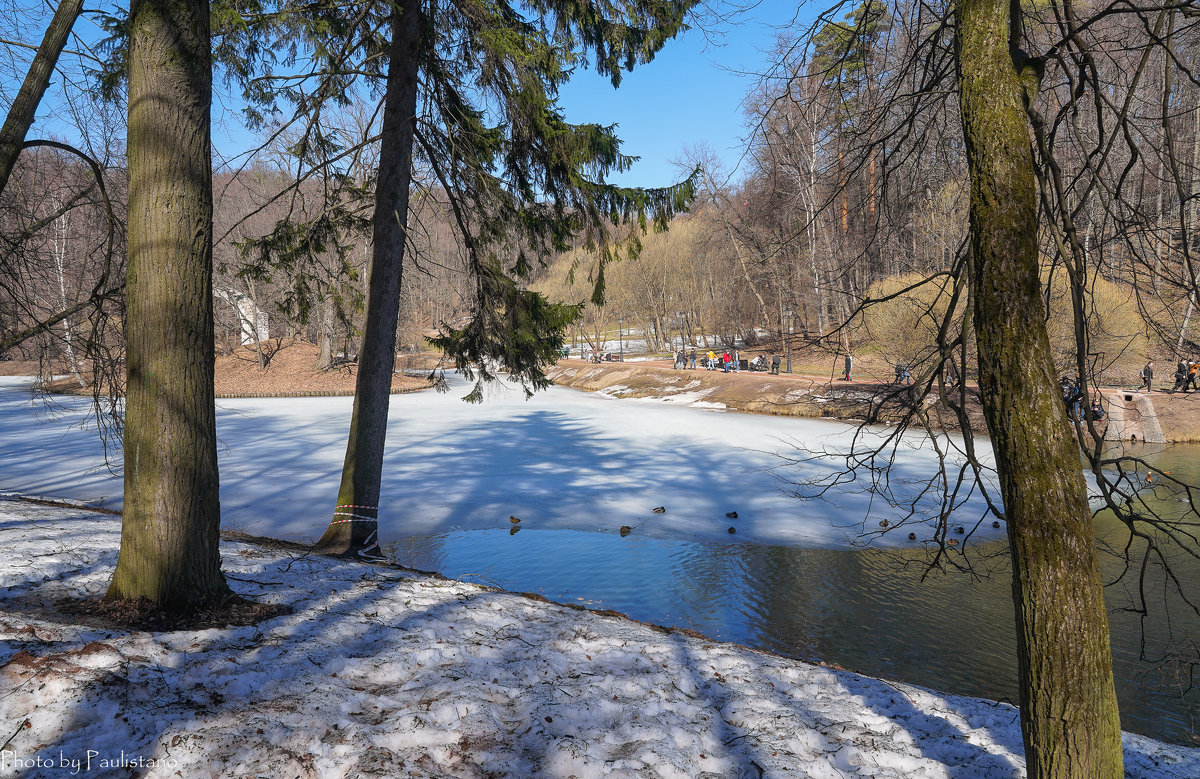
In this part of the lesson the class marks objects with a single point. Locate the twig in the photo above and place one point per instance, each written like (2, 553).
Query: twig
(24, 724)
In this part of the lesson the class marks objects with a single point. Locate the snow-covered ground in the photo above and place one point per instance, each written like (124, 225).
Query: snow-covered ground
(564, 459)
(381, 673)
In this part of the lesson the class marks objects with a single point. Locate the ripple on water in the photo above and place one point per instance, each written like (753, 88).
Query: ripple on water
(866, 610)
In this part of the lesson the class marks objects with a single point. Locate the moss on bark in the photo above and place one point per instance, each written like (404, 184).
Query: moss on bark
(1069, 712)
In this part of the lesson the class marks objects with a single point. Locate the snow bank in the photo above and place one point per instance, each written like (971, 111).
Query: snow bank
(382, 673)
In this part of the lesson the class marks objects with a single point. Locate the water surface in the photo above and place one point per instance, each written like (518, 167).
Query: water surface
(867, 610)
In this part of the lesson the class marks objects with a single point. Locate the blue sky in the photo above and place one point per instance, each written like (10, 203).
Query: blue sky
(690, 95)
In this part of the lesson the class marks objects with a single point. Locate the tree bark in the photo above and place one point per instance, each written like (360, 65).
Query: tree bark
(1069, 716)
(741, 255)
(1189, 235)
(354, 529)
(58, 248)
(24, 106)
(170, 530)
(325, 334)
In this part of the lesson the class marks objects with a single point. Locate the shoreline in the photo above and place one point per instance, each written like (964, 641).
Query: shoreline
(1158, 417)
(447, 636)
(380, 671)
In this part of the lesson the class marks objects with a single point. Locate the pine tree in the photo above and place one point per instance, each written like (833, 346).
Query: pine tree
(170, 530)
(842, 51)
(471, 97)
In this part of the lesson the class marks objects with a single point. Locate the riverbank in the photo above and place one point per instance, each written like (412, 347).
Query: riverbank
(380, 671)
(793, 395)
(1158, 417)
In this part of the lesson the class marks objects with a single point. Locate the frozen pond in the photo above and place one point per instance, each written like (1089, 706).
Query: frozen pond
(576, 467)
(562, 460)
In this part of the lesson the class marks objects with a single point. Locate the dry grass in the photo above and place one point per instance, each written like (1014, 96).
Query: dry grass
(291, 368)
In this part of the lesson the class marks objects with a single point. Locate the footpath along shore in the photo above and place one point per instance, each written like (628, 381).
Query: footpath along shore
(1157, 417)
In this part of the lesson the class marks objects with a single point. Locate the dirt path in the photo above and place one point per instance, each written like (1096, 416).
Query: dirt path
(793, 394)
(1175, 417)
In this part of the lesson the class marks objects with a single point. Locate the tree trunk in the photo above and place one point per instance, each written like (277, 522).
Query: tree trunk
(1159, 232)
(738, 250)
(325, 335)
(170, 531)
(1189, 235)
(251, 316)
(24, 106)
(354, 527)
(58, 248)
(845, 203)
(1069, 716)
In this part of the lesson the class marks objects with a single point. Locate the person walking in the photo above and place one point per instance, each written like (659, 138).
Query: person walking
(725, 359)
(775, 360)
(692, 359)
(1181, 374)
(849, 365)
(737, 361)
(1193, 369)
(1148, 376)
(712, 360)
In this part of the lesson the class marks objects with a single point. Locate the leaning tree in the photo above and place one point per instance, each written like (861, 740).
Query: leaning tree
(1066, 122)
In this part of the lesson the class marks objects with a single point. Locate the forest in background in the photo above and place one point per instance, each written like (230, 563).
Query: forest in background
(1067, 137)
(849, 228)
(843, 227)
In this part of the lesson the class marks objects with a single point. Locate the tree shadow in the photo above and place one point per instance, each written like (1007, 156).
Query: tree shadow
(380, 671)
(538, 464)
(138, 695)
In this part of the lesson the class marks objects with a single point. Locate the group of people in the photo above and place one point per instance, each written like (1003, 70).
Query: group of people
(1072, 394)
(1185, 375)
(685, 360)
(726, 361)
(723, 361)
(710, 362)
